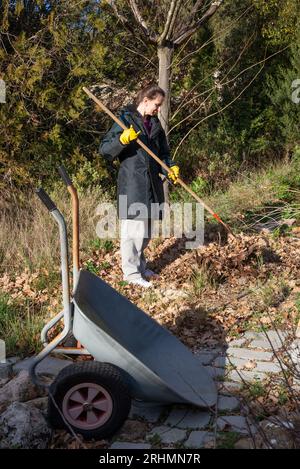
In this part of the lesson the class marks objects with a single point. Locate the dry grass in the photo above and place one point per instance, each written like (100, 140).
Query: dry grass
(249, 193)
(29, 236)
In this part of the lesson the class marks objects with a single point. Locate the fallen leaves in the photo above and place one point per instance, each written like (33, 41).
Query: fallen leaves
(237, 293)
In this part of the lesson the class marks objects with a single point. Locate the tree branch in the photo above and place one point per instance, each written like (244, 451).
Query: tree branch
(218, 111)
(195, 9)
(163, 36)
(190, 18)
(136, 12)
(140, 54)
(120, 17)
(126, 23)
(174, 18)
(222, 82)
(188, 31)
(212, 39)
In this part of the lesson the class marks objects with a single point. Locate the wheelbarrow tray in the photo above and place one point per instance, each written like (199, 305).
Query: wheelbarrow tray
(159, 368)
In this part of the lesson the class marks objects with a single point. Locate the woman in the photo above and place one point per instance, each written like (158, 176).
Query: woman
(139, 180)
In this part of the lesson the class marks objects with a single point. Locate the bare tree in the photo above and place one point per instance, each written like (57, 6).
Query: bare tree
(166, 24)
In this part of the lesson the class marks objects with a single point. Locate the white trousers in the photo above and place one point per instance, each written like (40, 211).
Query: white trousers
(135, 237)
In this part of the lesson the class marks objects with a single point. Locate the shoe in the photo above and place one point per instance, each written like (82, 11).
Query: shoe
(149, 273)
(141, 282)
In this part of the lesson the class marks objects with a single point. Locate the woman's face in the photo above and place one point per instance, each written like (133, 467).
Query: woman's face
(152, 106)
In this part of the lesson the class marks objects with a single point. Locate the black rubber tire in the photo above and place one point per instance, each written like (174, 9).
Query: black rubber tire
(104, 374)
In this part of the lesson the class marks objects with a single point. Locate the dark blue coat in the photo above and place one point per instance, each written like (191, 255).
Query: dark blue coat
(138, 176)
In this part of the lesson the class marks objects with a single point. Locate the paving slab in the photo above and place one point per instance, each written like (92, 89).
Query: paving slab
(49, 366)
(237, 423)
(167, 435)
(272, 334)
(294, 352)
(236, 362)
(150, 412)
(265, 367)
(215, 372)
(247, 376)
(237, 342)
(6, 367)
(228, 403)
(276, 344)
(249, 354)
(187, 419)
(197, 439)
(250, 335)
(229, 387)
(261, 344)
(220, 362)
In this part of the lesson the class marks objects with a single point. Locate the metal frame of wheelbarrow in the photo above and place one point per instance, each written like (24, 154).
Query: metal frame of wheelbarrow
(66, 314)
(76, 266)
(116, 331)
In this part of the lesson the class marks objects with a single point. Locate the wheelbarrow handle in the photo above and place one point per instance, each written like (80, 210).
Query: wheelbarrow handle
(64, 175)
(50, 205)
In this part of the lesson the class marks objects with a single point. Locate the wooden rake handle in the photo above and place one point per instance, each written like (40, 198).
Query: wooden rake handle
(150, 152)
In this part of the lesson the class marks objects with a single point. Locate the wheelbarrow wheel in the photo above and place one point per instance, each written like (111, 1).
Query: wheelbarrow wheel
(91, 398)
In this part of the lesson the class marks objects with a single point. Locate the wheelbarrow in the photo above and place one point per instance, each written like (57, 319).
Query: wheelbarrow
(134, 357)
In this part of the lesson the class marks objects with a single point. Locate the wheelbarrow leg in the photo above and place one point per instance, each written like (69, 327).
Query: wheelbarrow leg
(67, 314)
(43, 354)
(48, 326)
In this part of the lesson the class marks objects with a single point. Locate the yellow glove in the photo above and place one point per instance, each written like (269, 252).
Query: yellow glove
(174, 174)
(128, 135)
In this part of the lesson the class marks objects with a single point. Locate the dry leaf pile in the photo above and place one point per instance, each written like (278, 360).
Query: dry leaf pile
(202, 295)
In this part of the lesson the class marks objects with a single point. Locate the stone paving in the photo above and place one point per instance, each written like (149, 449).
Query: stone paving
(249, 358)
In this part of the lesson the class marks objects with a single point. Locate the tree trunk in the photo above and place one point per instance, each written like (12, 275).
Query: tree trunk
(165, 54)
